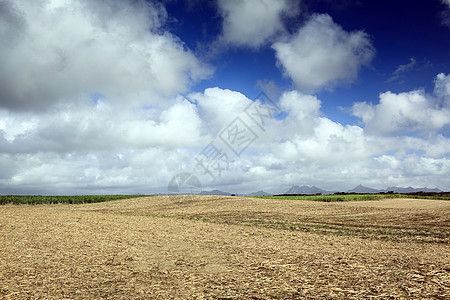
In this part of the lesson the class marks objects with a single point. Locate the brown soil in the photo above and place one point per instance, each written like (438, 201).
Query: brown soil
(212, 247)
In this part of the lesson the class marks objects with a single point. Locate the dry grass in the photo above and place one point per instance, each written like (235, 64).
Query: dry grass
(212, 247)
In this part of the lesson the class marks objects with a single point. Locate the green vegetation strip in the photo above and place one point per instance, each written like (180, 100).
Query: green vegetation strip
(352, 197)
(80, 199)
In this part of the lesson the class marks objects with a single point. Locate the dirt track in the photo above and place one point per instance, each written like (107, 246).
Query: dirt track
(203, 247)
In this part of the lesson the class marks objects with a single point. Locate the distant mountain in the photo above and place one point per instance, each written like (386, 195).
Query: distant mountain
(427, 190)
(311, 190)
(360, 189)
(258, 193)
(304, 189)
(402, 190)
(215, 192)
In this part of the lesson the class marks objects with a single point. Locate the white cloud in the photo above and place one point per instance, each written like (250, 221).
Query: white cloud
(134, 171)
(218, 107)
(98, 148)
(322, 54)
(406, 113)
(307, 148)
(56, 51)
(55, 138)
(88, 97)
(100, 128)
(253, 23)
(310, 137)
(442, 87)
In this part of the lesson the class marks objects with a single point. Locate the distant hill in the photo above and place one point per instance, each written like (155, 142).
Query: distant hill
(360, 189)
(258, 193)
(312, 190)
(306, 190)
(402, 190)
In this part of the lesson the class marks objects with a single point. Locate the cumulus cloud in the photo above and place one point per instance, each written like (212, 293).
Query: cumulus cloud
(442, 87)
(99, 128)
(307, 136)
(322, 54)
(218, 107)
(57, 51)
(400, 113)
(129, 151)
(81, 173)
(90, 103)
(96, 148)
(406, 113)
(89, 97)
(253, 23)
(306, 147)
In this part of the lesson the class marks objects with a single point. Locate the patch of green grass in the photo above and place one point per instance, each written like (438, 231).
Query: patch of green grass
(333, 198)
(80, 199)
(352, 197)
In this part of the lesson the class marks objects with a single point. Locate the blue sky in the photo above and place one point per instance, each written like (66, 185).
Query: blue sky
(121, 96)
(399, 30)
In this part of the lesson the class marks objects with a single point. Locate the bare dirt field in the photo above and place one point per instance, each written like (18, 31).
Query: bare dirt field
(213, 247)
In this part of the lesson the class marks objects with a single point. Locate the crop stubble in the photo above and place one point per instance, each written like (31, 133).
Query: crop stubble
(220, 247)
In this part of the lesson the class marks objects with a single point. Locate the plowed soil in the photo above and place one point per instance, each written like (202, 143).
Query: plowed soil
(213, 247)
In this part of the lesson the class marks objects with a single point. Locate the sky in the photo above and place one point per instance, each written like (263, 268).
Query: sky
(132, 96)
